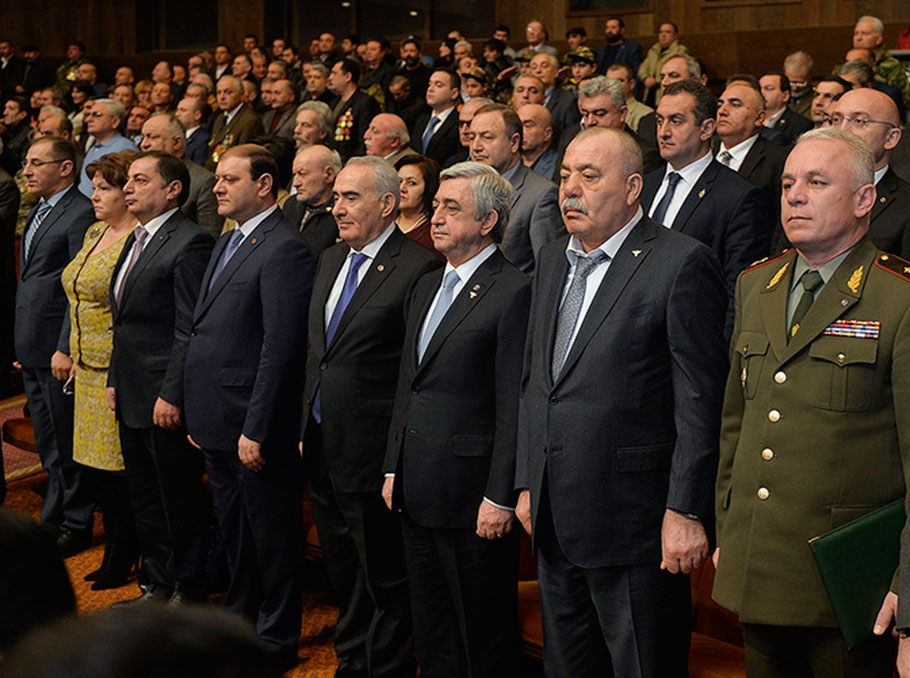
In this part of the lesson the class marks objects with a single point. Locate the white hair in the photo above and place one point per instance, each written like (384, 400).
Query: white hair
(489, 191)
(385, 177)
(862, 159)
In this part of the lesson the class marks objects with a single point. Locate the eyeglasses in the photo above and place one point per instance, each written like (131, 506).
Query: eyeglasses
(96, 114)
(38, 164)
(857, 121)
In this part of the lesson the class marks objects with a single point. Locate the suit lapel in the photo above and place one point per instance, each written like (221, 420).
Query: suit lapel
(621, 270)
(753, 158)
(701, 188)
(518, 180)
(551, 293)
(773, 301)
(334, 261)
(56, 212)
(149, 252)
(887, 192)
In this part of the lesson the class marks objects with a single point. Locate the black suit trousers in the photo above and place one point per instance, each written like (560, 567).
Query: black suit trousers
(463, 596)
(364, 557)
(170, 506)
(70, 498)
(635, 619)
(261, 521)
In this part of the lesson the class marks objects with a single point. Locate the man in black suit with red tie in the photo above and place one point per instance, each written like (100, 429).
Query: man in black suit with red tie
(356, 331)
(243, 394)
(450, 464)
(619, 423)
(153, 291)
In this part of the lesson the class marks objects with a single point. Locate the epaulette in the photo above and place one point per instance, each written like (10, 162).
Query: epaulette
(894, 265)
(766, 261)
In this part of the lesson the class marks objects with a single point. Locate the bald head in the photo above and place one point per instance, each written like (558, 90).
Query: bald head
(386, 134)
(537, 130)
(873, 117)
(315, 169)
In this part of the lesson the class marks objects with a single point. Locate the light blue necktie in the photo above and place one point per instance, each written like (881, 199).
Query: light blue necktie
(233, 244)
(428, 134)
(571, 307)
(442, 306)
(43, 210)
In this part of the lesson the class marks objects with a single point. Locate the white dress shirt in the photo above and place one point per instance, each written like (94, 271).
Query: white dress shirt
(689, 176)
(152, 228)
(738, 152)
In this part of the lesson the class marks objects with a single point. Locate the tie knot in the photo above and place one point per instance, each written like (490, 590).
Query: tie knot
(811, 280)
(141, 234)
(450, 280)
(584, 264)
(673, 179)
(236, 237)
(357, 260)
(726, 157)
(44, 208)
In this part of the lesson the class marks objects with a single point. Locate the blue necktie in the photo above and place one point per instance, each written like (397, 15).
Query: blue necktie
(43, 209)
(428, 134)
(664, 204)
(442, 306)
(350, 286)
(233, 244)
(571, 307)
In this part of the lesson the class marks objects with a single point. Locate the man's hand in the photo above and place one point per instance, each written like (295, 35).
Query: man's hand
(61, 365)
(715, 557)
(507, 72)
(492, 521)
(192, 442)
(110, 395)
(523, 510)
(165, 415)
(886, 616)
(249, 452)
(17, 366)
(684, 544)
(387, 486)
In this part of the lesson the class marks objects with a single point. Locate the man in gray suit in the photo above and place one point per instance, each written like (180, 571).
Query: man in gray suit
(279, 120)
(53, 235)
(163, 132)
(535, 220)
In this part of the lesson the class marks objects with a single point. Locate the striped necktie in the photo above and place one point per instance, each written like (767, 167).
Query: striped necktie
(43, 210)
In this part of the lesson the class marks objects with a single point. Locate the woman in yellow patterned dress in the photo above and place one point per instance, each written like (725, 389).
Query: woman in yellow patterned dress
(96, 440)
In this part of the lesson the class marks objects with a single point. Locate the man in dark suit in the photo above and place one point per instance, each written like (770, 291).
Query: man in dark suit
(534, 213)
(450, 464)
(163, 132)
(352, 111)
(191, 114)
(243, 395)
(740, 114)
(309, 210)
(618, 481)
(436, 131)
(11, 67)
(280, 119)
(9, 211)
(561, 103)
(53, 234)
(873, 116)
(356, 330)
(617, 49)
(36, 73)
(698, 196)
(153, 291)
(236, 124)
(782, 124)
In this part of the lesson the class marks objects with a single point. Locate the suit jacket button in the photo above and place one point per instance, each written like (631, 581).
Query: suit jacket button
(553, 400)
(415, 389)
(763, 493)
(412, 431)
(323, 366)
(774, 416)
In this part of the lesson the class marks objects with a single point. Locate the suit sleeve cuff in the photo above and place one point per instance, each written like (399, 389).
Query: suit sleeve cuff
(499, 506)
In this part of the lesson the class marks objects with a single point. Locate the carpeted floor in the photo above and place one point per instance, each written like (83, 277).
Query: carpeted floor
(17, 463)
(317, 656)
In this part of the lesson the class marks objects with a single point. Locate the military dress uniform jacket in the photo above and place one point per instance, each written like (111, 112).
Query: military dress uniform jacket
(815, 432)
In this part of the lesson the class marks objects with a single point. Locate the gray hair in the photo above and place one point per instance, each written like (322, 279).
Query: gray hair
(798, 60)
(283, 66)
(237, 81)
(114, 107)
(53, 110)
(175, 128)
(693, 68)
(862, 159)
(329, 156)
(385, 177)
(603, 85)
(205, 92)
(877, 24)
(400, 132)
(863, 71)
(320, 67)
(323, 114)
(630, 152)
(489, 191)
(464, 43)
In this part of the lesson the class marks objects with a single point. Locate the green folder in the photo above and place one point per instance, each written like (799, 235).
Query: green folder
(857, 562)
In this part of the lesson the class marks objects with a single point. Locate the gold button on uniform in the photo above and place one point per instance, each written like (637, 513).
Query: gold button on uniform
(763, 493)
(767, 454)
(774, 416)
(841, 358)
(780, 377)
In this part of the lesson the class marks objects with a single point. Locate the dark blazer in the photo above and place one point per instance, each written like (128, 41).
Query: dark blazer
(197, 146)
(563, 107)
(629, 52)
(725, 212)
(11, 75)
(630, 427)
(36, 75)
(152, 326)
(534, 219)
(285, 123)
(201, 205)
(319, 232)
(360, 109)
(889, 225)
(243, 127)
(247, 382)
(456, 413)
(357, 372)
(42, 317)
(763, 166)
(787, 128)
(445, 141)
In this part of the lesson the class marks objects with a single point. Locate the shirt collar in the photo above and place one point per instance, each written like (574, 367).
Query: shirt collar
(825, 270)
(371, 249)
(771, 120)
(443, 116)
(54, 199)
(250, 224)
(157, 222)
(741, 149)
(691, 172)
(879, 173)
(509, 173)
(102, 144)
(230, 114)
(610, 246)
(469, 267)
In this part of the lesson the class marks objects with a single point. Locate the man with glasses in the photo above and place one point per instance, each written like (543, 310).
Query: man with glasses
(53, 234)
(873, 116)
(103, 123)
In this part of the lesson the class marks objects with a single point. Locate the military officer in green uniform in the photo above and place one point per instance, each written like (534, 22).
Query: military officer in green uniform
(816, 421)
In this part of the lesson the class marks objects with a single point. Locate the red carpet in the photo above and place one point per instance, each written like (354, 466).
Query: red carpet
(17, 463)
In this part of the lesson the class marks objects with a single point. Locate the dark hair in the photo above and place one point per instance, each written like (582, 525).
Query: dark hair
(616, 65)
(353, 37)
(834, 78)
(509, 118)
(21, 102)
(622, 24)
(351, 67)
(411, 40)
(252, 35)
(745, 78)
(170, 169)
(226, 46)
(454, 78)
(675, 27)
(294, 49)
(429, 170)
(79, 44)
(783, 80)
(31, 47)
(705, 103)
(261, 162)
(495, 45)
(61, 149)
(282, 150)
(504, 28)
(114, 167)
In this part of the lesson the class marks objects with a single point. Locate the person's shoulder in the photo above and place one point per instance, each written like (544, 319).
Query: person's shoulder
(893, 269)
(767, 271)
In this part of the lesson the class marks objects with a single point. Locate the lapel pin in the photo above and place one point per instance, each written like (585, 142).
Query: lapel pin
(635, 253)
(844, 302)
(701, 193)
(472, 294)
(380, 268)
(883, 199)
(253, 241)
(476, 287)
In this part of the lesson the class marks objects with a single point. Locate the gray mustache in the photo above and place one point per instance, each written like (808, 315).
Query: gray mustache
(573, 204)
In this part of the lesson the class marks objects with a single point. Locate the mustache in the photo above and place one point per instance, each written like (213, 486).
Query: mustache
(573, 204)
